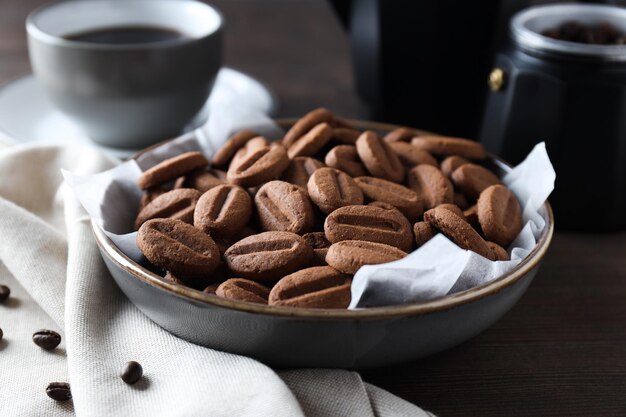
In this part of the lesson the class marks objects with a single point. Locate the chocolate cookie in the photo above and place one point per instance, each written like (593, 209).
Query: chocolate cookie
(369, 223)
(262, 165)
(201, 180)
(311, 142)
(350, 255)
(319, 243)
(400, 134)
(306, 123)
(399, 196)
(423, 232)
(224, 154)
(243, 290)
(330, 189)
(176, 204)
(499, 253)
(178, 247)
(431, 185)
(453, 208)
(249, 148)
(379, 159)
(447, 146)
(172, 168)
(472, 179)
(149, 195)
(300, 170)
(412, 155)
(499, 214)
(471, 215)
(223, 211)
(285, 207)
(345, 158)
(451, 163)
(346, 135)
(268, 256)
(458, 230)
(316, 287)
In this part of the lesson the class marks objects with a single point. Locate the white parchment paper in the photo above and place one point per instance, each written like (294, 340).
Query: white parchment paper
(437, 268)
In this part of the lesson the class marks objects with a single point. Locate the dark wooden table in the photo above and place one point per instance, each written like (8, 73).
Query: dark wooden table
(560, 352)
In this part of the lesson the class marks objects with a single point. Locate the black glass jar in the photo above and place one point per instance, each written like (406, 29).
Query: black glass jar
(573, 97)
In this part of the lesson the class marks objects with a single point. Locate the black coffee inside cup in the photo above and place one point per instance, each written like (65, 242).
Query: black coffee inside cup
(126, 35)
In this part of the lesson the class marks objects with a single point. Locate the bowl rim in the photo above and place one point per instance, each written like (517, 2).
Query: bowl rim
(447, 302)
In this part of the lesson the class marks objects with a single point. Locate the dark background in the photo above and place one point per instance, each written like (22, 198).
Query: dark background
(560, 352)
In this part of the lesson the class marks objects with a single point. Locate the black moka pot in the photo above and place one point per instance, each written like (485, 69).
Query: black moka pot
(573, 97)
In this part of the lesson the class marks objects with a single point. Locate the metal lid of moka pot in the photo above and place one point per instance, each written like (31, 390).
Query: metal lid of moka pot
(527, 25)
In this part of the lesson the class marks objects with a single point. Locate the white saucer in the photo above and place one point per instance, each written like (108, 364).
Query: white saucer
(27, 115)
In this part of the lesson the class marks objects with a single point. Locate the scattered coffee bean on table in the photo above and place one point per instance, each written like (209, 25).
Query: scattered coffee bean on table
(4, 292)
(1, 334)
(46, 339)
(59, 391)
(132, 372)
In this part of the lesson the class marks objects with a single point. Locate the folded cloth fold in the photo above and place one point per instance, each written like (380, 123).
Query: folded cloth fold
(49, 256)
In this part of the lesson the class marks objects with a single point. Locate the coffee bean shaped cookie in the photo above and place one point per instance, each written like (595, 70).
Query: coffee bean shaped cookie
(345, 158)
(412, 155)
(223, 210)
(345, 135)
(300, 170)
(447, 146)
(458, 230)
(350, 255)
(284, 207)
(453, 208)
(399, 196)
(499, 214)
(149, 195)
(172, 168)
(431, 185)
(369, 223)
(423, 232)
(249, 148)
(211, 288)
(472, 179)
(382, 205)
(176, 204)
(379, 159)
(451, 163)
(262, 165)
(319, 243)
(330, 189)
(316, 287)
(268, 256)
(471, 215)
(178, 247)
(305, 124)
(400, 134)
(311, 142)
(499, 253)
(224, 154)
(243, 290)
(202, 180)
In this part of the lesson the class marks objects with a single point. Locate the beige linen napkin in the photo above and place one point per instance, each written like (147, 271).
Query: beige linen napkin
(49, 259)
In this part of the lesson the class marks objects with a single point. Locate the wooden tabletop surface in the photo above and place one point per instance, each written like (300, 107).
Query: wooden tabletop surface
(561, 351)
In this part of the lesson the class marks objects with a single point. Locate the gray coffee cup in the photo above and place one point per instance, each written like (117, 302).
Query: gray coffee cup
(127, 95)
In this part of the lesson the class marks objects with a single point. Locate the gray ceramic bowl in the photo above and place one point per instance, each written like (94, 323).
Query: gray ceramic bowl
(286, 337)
